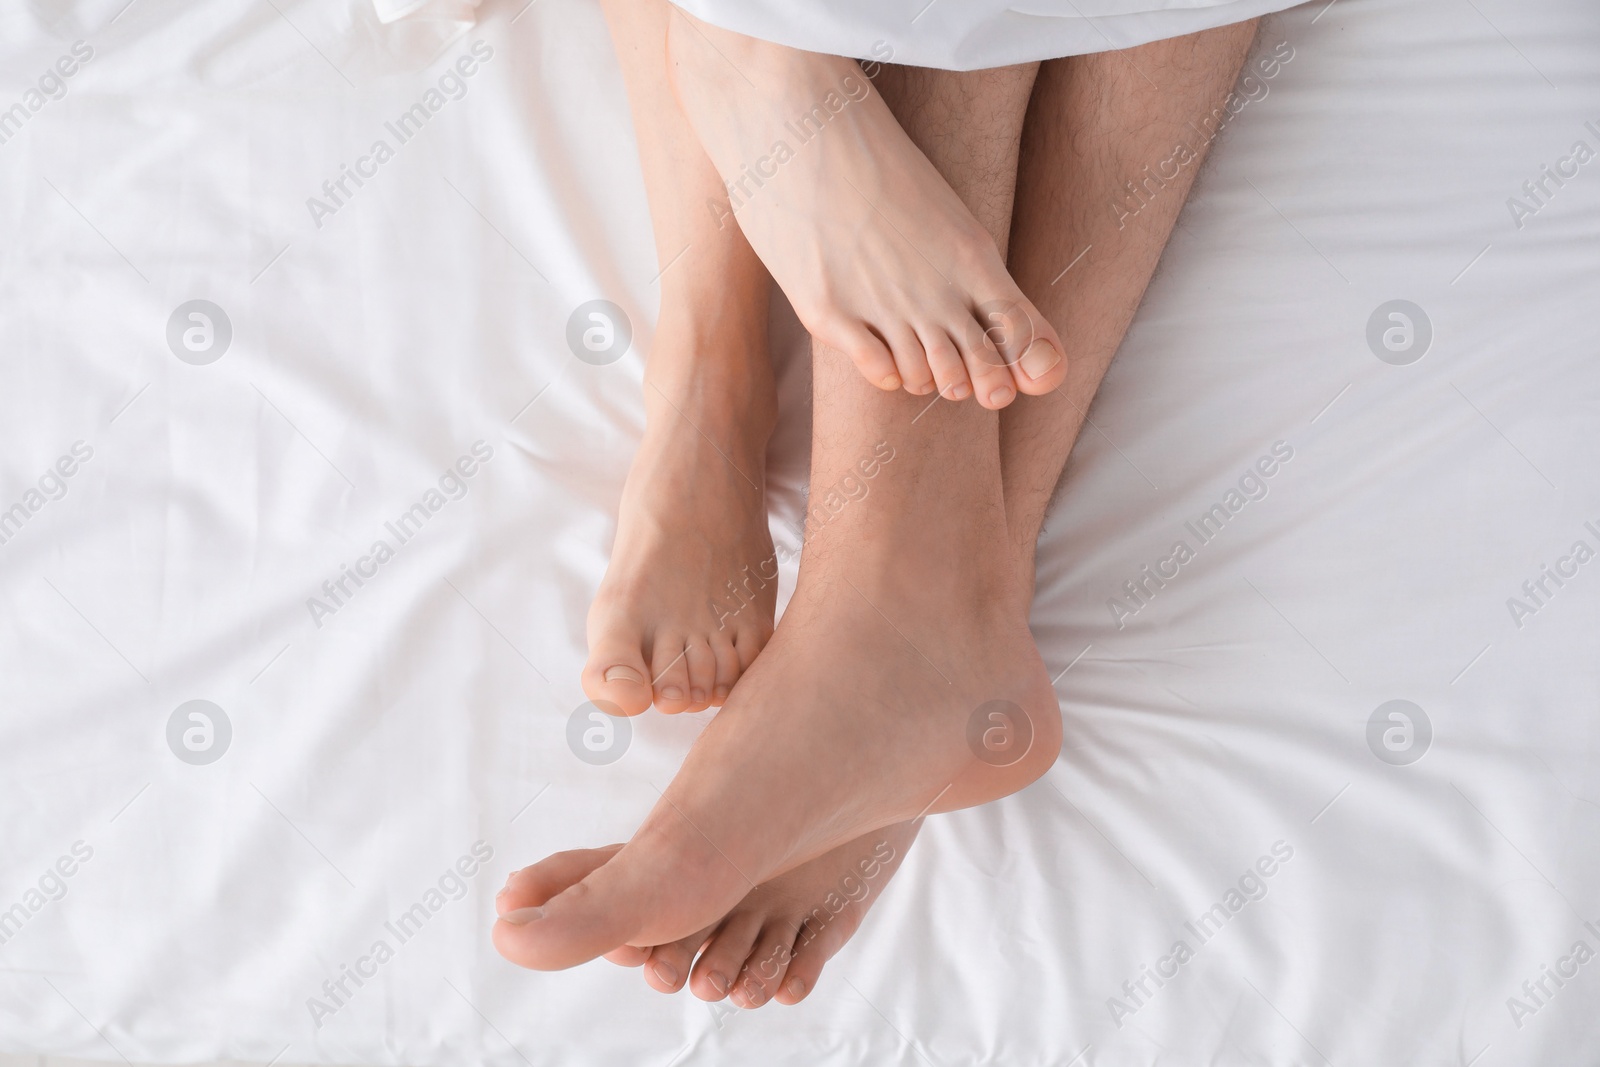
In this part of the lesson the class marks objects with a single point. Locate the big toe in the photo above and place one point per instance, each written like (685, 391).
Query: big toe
(616, 674)
(1034, 352)
(582, 920)
(662, 886)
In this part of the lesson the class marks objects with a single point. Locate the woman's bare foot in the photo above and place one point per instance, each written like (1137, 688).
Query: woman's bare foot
(688, 597)
(879, 257)
(774, 943)
(903, 681)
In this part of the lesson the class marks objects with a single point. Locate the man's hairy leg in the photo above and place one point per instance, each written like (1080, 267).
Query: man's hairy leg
(1094, 124)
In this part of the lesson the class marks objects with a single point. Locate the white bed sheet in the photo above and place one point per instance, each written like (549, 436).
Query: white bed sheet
(369, 754)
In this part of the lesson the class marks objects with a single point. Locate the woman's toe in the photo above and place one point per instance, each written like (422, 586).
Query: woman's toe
(991, 379)
(702, 663)
(667, 967)
(720, 962)
(615, 673)
(670, 671)
(944, 360)
(766, 965)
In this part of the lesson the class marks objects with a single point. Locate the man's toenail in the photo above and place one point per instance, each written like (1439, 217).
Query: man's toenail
(665, 975)
(1002, 396)
(1040, 358)
(522, 916)
(624, 674)
(719, 982)
(797, 988)
(672, 692)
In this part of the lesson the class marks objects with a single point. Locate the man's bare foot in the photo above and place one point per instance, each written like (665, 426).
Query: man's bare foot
(903, 681)
(774, 943)
(688, 597)
(878, 255)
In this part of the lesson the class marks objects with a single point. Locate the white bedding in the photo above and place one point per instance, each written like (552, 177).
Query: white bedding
(422, 724)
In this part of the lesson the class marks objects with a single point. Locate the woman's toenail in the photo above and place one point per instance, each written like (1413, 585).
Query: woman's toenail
(891, 382)
(720, 694)
(797, 988)
(1040, 359)
(624, 674)
(1002, 396)
(719, 982)
(960, 391)
(672, 692)
(698, 695)
(665, 975)
(522, 916)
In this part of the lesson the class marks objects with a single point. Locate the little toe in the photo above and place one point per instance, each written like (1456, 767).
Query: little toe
(865, 349)
(720, 963)
(728, 669)
(670, 671)
(615, 673)
(748, 641)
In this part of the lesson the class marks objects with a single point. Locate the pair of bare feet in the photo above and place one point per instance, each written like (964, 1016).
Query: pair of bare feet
(903, 679)
(854, 721)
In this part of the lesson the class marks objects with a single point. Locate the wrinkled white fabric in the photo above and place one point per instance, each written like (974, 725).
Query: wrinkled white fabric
(374, 344)
(972, 34)
(454, 10)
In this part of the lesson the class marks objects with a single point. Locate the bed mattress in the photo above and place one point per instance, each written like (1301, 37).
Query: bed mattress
(304, 494)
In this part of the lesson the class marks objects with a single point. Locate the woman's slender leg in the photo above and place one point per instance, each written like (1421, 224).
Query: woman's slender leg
(664, 627)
